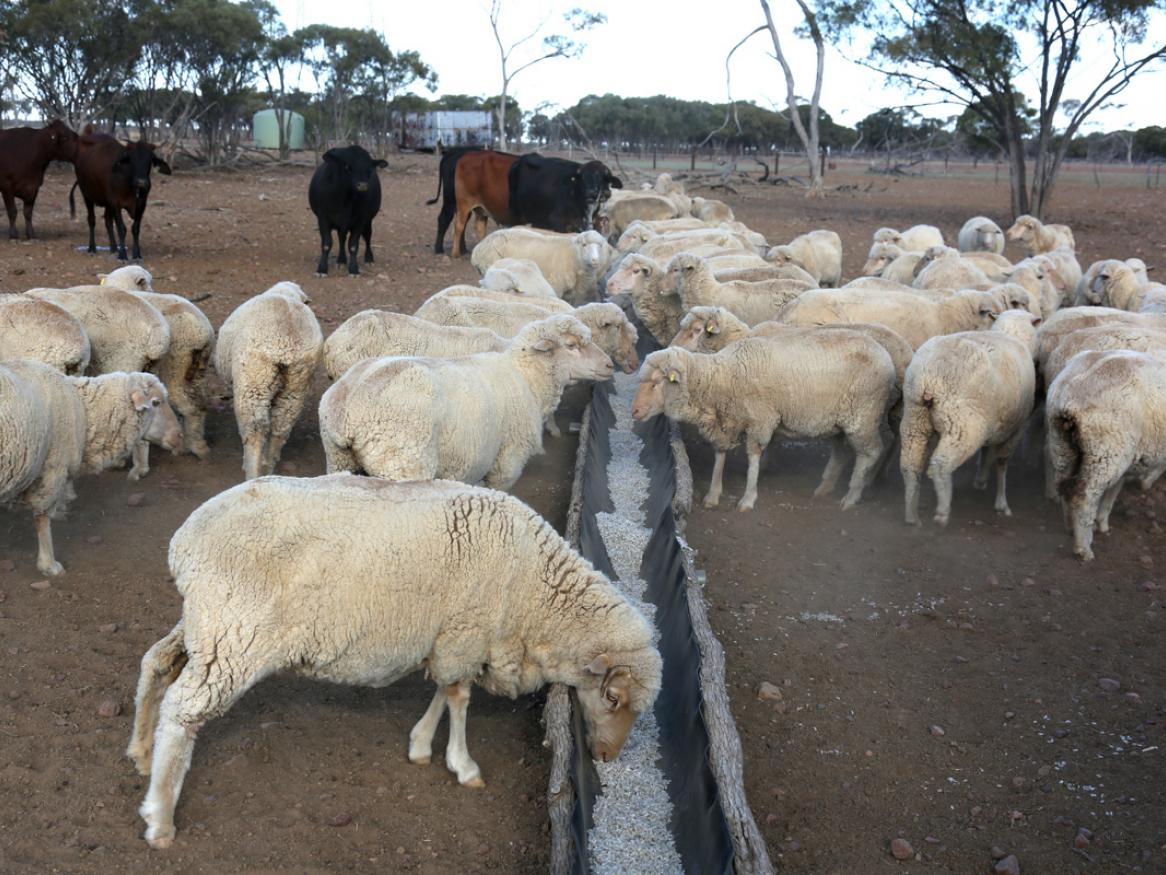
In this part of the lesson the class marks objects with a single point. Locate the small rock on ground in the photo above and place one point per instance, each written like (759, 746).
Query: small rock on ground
(1110, 685)
(1007, 866)
(137, 499)
(901, 849)
(768, 692)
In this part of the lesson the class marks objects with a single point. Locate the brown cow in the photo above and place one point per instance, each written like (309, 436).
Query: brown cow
(24, 155)
(117, 177)
(481, 184)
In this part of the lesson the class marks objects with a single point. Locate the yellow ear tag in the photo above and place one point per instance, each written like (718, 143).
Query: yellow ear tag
(709, 329)
(673, 376)
(102, 281)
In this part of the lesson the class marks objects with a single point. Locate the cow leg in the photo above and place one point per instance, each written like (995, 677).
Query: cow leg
(10, 205)
(341, 245)
(353, 248)
(480, 219)
(443, 221)
(109, 229)
(28, 204)
(325, 247)
(121, 234)
(368, 259)
(459, 232)
(135, 229)
(92, 218)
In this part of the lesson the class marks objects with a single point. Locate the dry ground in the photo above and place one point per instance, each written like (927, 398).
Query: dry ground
(939, 628)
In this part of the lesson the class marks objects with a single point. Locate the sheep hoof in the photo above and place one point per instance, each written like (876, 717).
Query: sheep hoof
(744, 506)
(1085, 555)
(52, 569)
(979, 484)
(941, 520)
(421, 760)
(848, 502)
(137, 474)
(476, 782)
(1004, 511)
(160, 839)
(711, 501)
(201, 450)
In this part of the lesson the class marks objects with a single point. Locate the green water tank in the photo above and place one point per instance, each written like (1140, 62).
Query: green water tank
(265, 129)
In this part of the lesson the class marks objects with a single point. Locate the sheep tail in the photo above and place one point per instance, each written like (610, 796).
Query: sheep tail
(927, 400)
(72, 202)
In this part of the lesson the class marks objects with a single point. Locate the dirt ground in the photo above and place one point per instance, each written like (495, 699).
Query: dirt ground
(306, 777)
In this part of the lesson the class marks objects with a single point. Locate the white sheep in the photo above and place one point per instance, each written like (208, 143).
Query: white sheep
(835, 384)
(550, 304)
(668, 187)
(643, 280)
(1102, 338)
(54, 427)
(376, 333)
(640, 238)
(1063, 271)
(912, 316)
(1071, 319)
(44, 332)
(917, 238)
(1153, 298)
(267, 353)
(889, 261)
(571, 264)
(184, 367)
(694, 283)
(125, 333)
(943, 268)
(1036, 237)
(477, 418)
(363, 581)
(641, 206)
(1113, 283)
(1105, 416)
(819, 253)
(962, 392)
(1034, 276)
(520, 275)
(711, 210)
(981, 234)
(1141, 271)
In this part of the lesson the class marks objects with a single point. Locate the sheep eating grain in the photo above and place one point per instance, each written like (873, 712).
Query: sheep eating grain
(835, 384)
(468, 584)
(477, 418)
(819, 253)
(694, 283)
(53, 427)
(267, 354)
(969, 390)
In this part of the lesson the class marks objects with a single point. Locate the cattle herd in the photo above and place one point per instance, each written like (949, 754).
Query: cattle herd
(408, 554)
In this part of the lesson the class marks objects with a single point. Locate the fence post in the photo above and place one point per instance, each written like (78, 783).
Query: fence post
(692, 164)
(822, 163)
(777, 164)
(653, 157)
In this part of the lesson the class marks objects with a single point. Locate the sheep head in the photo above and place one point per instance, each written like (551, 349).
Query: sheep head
(662, 379)
(635, 273)
(289, 290)
(592, 250)
(1024, 230)
(681, 268)
(614, 689)
(612, 333)
(131, 278)
(152, 405)
(879, 257)
(888, 235)
(1020, 324)
(701, 328)
(569, 341)
(634, 237)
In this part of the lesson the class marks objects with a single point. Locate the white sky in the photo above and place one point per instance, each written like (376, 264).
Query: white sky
(653, 47)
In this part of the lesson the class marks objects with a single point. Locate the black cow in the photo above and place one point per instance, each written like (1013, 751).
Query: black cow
(445, 171)
(557, 194)
(345, 195)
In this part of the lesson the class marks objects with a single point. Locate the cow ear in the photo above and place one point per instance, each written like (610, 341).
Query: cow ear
(381, 163)
(613, 181)
(333, 156)
(122, 159)
(162, 166)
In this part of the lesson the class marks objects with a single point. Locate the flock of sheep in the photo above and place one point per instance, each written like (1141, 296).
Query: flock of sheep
(945, 350)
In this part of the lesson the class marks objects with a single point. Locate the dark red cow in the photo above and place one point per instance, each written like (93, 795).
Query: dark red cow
(481, 185)
(115, 176)
(24, 155)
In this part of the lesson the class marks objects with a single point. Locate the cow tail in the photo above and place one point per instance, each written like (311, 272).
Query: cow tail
(440, 176)
(72, 203)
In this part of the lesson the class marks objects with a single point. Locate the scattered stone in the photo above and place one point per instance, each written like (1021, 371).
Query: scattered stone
(1147, 560)
(1061, 820)
(936, 730)
(107, 629)
(1133, 698)
(931, 840)
(342, 819)
(768, 692)
(1021, 783)
(997, 852)
(961, 659)
(400, 850)
(40, 584)
(794, 845)
(1008, 866)
(771, 819)
(1081, 841)
(483, 849)
(901, 849)
(1008, 715)
(93, 539)
(1144, 586)
(1043, 771)
(7, 565)
(976, 809)
(993, 580)
(137, 499)
(1027, 582)
(1060, 733)
(1110, 685)
(109, 708)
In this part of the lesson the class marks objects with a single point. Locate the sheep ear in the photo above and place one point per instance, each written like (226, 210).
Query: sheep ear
(599, 665)
(673, 375)
(141, 402)
(544, 345)
(992, 315)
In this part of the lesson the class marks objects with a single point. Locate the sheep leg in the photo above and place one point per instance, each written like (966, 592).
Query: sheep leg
(457, 754)
(988, 458)
(753, 450)
(940, 471)
(186, 383)
(506, 471)
(834, 466)
(421, 736)
(1108, 499)
(141, 457)
(10, 206)
(285, 410)
(713, 497)
(46, 561)
(868, 449)
(915, 433)
(551, 426)
(160, 667)
(1151, 477)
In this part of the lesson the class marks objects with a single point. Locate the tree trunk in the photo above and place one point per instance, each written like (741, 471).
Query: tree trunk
(502, 119)
(1017, 172)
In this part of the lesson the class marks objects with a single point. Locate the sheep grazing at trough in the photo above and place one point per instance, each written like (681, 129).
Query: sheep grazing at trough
(912, 316)
(43, 332)
(640, 238)
(639, 206)
(981, 234)
(54, 427)
(467, 584)
(963, 392)
(917, 238)
(1105, 416)
(376, 333)
(643, 280)
(477, 418)
(1035, 237)
(834, 384)
(184, 367)
(571, 264)
(819, 253)
(695, 285)
(126, 334)
(711, 210)
(267, 354)
(519, 275)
